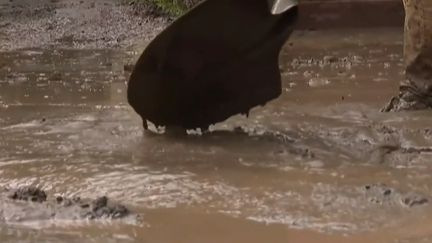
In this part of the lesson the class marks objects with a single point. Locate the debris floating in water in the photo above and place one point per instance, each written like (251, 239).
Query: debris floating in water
(99, 208)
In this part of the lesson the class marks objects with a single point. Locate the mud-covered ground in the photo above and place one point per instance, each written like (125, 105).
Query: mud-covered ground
(319, 164)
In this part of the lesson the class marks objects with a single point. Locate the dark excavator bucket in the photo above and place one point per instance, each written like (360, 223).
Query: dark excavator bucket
(218, 60)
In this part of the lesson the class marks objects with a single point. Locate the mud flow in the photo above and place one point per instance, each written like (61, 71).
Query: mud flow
(319, 164)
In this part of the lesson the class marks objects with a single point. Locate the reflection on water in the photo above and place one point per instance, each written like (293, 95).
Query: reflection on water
(298, 169)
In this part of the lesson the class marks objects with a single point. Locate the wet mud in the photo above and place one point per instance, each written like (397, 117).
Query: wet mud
(28, 204)
(32, 194)
(319, 164)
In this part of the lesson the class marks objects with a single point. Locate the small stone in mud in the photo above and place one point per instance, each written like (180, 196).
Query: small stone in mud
(100, 202)
(375, 200)
(119, 211)
(101, 209)
(414, 200)
(128, 67)
(330, 59)
(380, 188)
(30, 193)
(67, 202)
(85, 205)
(56, 76)
(380, 193)
(59, 199)
(387, 192)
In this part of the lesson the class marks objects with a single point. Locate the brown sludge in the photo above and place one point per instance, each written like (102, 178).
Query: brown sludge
(318, 165)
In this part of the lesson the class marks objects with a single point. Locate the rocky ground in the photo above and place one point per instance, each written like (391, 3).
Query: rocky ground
(76, 24)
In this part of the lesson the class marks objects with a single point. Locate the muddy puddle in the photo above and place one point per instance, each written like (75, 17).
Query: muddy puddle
(319, 164)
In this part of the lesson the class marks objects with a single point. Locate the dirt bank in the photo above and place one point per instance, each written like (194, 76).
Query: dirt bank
(75, 24)
(119, 23)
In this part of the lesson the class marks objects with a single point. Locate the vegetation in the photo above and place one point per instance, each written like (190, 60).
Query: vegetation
(171, 7)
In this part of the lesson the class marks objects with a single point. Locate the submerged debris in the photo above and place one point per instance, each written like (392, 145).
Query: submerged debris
(413, 200)
(100, 208)
(383, 194)
(62, 207)
(29, 193)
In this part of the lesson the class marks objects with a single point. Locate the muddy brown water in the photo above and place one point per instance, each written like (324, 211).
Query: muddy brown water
(319, 164)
